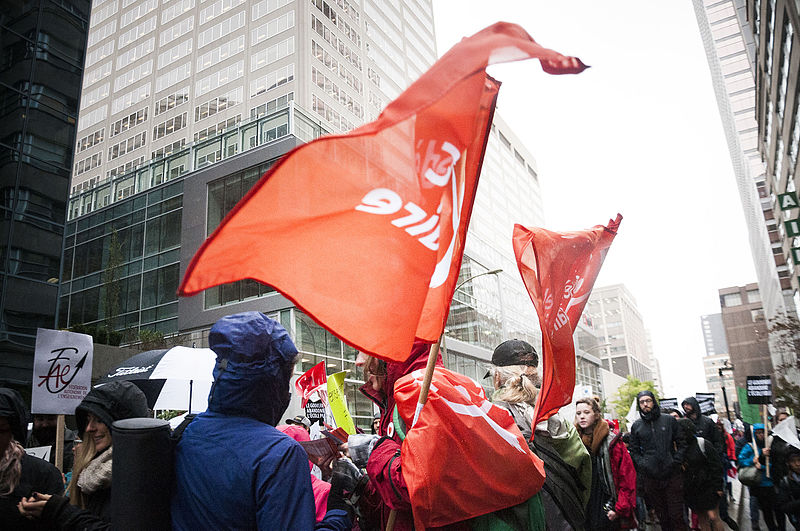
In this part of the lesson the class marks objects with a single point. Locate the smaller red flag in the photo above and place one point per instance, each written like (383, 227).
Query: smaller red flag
(314, 379)
(465, 456)
(559, 270)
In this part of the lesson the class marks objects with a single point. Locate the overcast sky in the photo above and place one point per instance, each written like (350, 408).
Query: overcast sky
(638, 133)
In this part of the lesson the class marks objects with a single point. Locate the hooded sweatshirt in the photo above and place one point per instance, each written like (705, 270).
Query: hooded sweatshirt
(656, 445)
(705, 427)
(36, 474)
(233, 469)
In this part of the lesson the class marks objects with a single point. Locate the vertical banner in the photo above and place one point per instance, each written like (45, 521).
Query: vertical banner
(750, 412)
(62, 371)
(338, 404)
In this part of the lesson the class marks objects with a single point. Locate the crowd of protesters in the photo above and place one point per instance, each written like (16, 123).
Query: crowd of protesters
(237, 467)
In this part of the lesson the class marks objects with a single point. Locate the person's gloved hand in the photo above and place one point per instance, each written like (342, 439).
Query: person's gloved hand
(359, 446)
(346, 486)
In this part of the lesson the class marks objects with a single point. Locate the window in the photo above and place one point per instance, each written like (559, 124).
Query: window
(138, 31)
(330, 114)
(731, 299)
(100, 15)
(219, 78)
(126, 146)
(169, 126)
(89, 119)
(272, 28)
(100, 34)
(336, 67)
(90, 140)
(168, 149)
(176, 9)
(222, 29)
(131, 98)
(132, 76)
(173, 100)
(143, 8)
(221, 53)
(175, 76)
(337, 93)
(135, 53)
(270, 106)
(273, 53)
(220, 103)
(88, 163)
(93, 96)
(173, 54)
(99, 53)
(265, 7)
(343, 26)
(215, 130)
(279, 77)
(132, 120)
(352, 57)
(181, 28)
(97, 74)
(753, 295)
(217, 8)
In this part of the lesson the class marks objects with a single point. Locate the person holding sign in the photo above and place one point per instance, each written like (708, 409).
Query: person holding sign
(763, 492)
(89, 502)
(20, 474)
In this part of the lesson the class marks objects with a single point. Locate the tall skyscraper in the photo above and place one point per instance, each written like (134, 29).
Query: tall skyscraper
(164, 75)
(163, 198)
(620, 326)
(42, 45)
(731, 52)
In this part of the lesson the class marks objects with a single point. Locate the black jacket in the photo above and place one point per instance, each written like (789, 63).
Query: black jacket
(37, 475)
(788, 499)
(706, 428)
(656, 448)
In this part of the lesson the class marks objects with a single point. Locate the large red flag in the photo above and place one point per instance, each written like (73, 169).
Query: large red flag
(465, 456)
(559, 270)
(365, 231)
(311, 381)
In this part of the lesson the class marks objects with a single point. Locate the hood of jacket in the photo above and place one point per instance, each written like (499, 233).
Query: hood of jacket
(13, 408)
(692, 401)
(384, 399)
(255, 359)
(654, 413)
(112, 401)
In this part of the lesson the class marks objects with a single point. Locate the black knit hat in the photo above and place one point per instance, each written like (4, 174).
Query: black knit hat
(515, 352)
(112, 401)
(13, 408)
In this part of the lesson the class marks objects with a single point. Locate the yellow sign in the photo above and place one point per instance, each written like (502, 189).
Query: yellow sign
(338, 404)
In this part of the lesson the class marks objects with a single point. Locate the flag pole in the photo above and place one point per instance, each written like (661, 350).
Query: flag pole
(59, 459)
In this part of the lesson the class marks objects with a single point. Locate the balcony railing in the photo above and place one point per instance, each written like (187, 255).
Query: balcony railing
(244, 136)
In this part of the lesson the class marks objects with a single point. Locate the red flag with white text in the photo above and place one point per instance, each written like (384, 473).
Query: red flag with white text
(465, 456)
(559, 270)
(311, 381)
(365, 231)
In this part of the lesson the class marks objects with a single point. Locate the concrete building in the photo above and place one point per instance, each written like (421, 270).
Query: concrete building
(42, 44)
(618, 323)
(746, 332)
(717, 358)
(162, 76)
(731, 52)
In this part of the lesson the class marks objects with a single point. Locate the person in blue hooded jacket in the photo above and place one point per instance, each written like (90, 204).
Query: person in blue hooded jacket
(763, 492)
(233, 469)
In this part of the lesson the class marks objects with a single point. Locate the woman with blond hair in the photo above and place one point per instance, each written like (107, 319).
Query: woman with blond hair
(613, 492)
(566, 461)
(89, 503)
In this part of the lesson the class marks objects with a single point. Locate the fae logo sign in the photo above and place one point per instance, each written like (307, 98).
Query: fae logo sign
(759, 389)
(62, 371)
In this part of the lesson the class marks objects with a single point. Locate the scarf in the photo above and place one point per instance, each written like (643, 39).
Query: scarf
(11, 468)
(595, 437)
(97, 474)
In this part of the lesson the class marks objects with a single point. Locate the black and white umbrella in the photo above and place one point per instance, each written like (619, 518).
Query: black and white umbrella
(174, 378)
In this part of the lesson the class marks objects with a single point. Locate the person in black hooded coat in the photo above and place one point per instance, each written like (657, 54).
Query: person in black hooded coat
(20, 474)
(89, 504)
(705, 427)
(657, 450)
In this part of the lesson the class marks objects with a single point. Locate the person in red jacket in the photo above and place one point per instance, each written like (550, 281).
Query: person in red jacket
(613, 495)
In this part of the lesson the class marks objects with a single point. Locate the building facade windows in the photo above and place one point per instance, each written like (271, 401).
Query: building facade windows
(170, 102)
(217, 55)
(168, 127)
(272, 28)
(275, 79)
(218, 104)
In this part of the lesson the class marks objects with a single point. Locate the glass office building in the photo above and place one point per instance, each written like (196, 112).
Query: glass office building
(42, 46)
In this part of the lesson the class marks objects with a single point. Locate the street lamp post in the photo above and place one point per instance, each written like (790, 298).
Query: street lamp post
(443, 348)
(725, 367)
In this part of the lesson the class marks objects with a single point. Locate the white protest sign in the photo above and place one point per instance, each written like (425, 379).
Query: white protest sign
(62, 371)
(787, 430)
(42, 452)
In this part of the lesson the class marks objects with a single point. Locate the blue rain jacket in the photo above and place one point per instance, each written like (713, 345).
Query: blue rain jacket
(233, 469)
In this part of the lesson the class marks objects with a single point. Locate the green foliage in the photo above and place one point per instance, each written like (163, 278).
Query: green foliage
(627, 393)
(111, 285)
(100, 334)
(169, 414)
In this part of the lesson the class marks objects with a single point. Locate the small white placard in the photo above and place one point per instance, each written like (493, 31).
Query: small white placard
(42, 452)
(62, 371)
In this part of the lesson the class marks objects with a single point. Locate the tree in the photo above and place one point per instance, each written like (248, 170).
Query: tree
(627, 393)
(784, 333)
